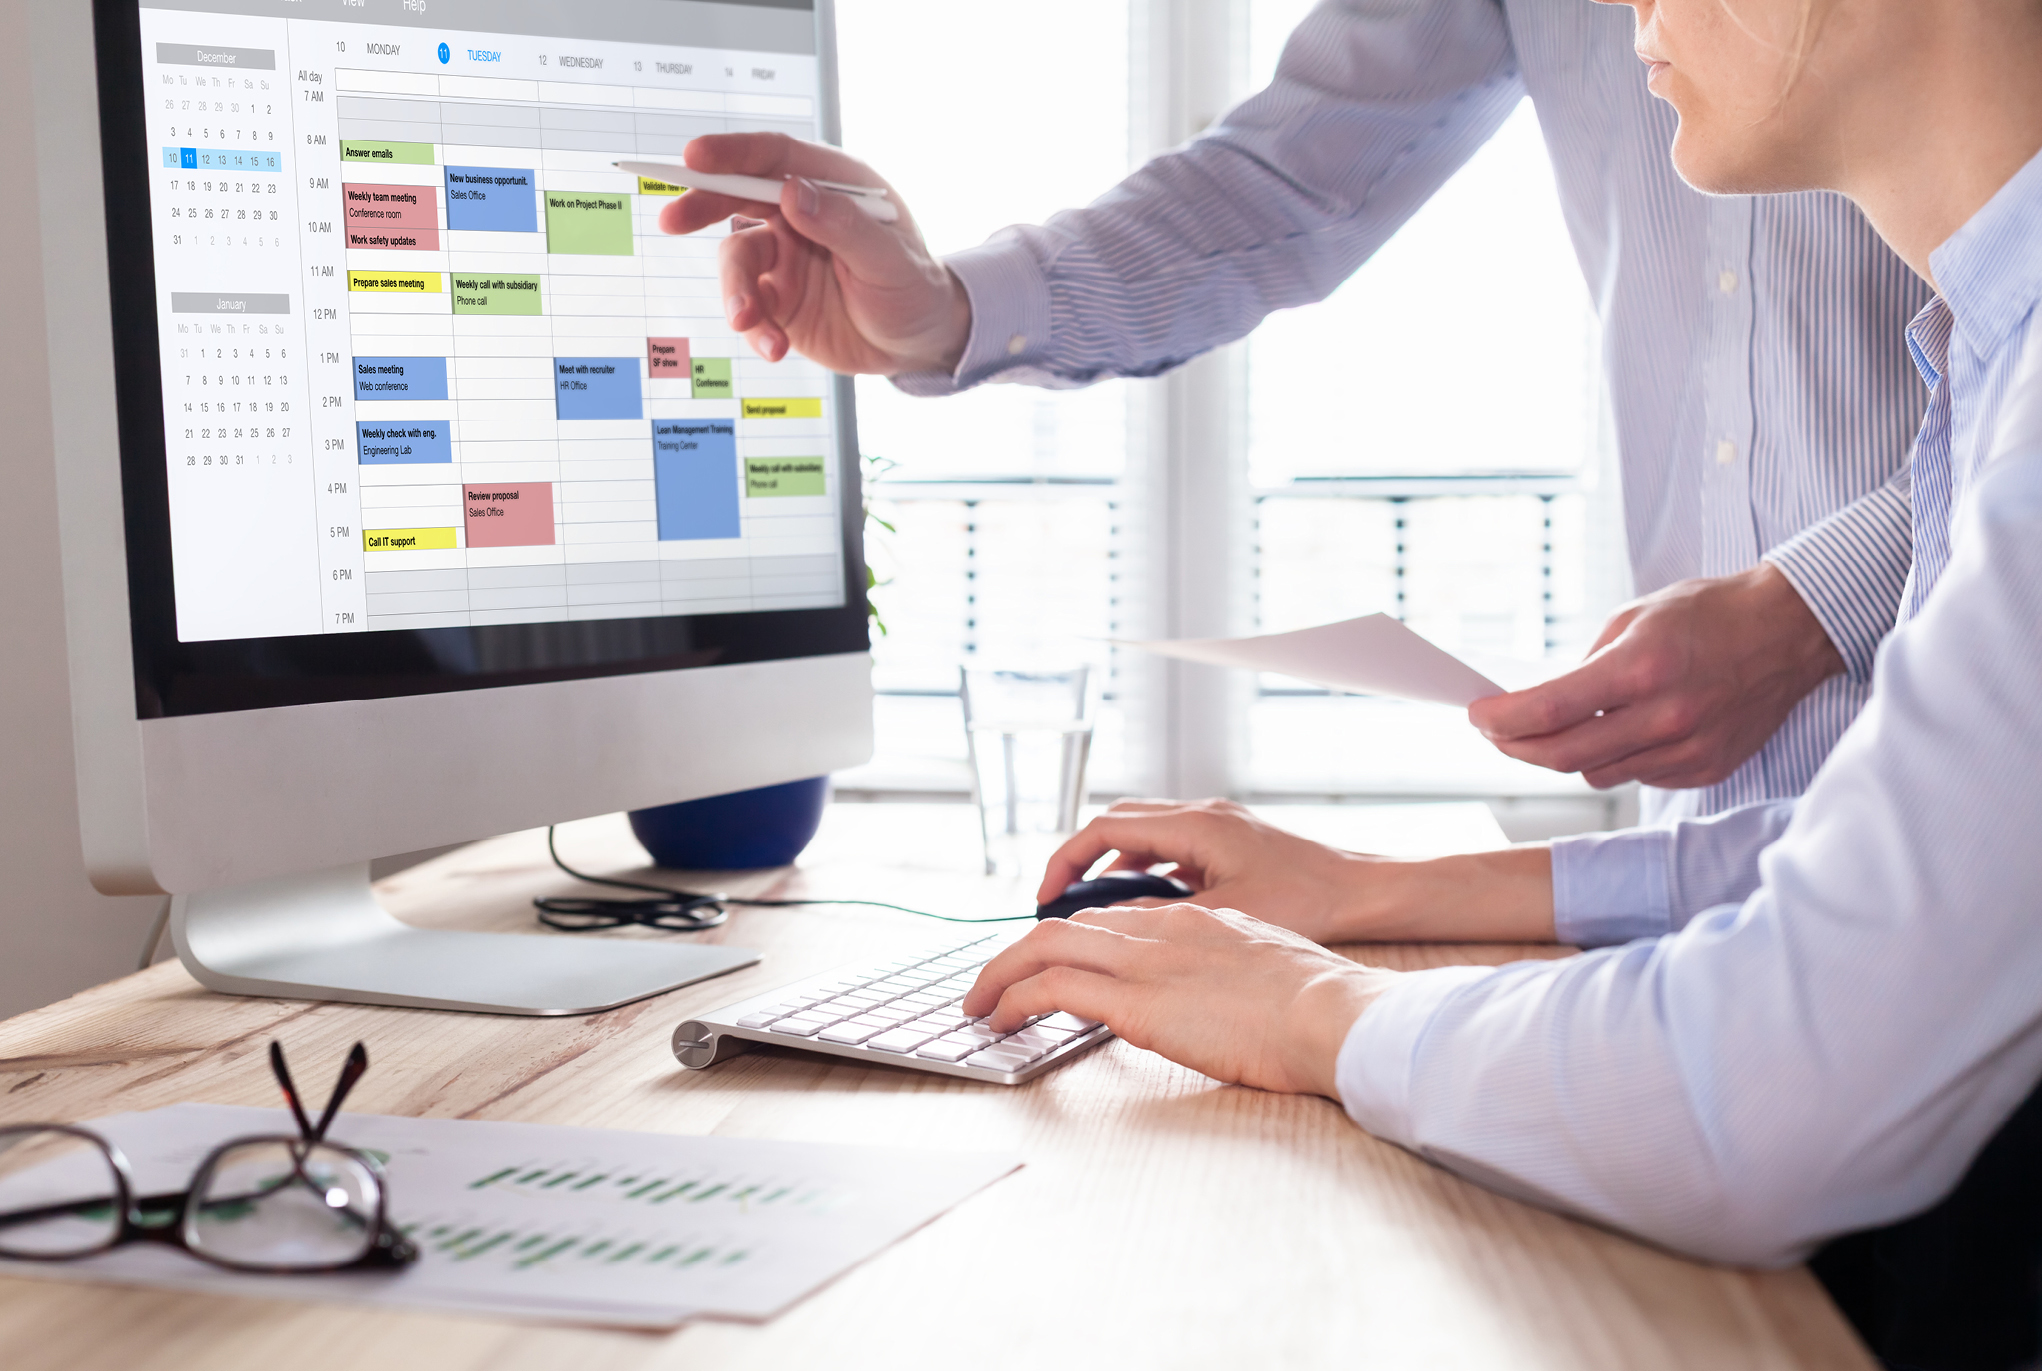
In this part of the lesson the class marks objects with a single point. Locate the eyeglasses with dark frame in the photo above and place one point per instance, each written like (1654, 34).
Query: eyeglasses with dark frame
(269, 1203)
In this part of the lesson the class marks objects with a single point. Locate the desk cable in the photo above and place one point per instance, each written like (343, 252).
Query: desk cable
(681, 911)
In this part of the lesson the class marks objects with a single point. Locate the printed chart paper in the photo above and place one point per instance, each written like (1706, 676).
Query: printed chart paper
(577, 1225)
(1372, 655)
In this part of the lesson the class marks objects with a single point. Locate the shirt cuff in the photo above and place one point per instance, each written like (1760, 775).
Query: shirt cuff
(1851, 568)
(1373, 1071)
(1009, 317)
(1612, 888)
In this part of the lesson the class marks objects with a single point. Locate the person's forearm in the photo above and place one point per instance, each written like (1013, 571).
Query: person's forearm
(1372, 110)
(1504, 896)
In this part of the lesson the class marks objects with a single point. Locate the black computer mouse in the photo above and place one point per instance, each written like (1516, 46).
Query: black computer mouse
(1115, 887)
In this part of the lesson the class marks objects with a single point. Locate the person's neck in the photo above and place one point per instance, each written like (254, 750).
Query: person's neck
(1926, 153)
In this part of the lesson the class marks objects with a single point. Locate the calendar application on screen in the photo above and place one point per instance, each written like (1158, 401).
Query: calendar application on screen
(428, 360)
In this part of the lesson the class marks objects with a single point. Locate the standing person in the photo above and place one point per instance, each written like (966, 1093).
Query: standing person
(1765, 497)
(1824, 1016)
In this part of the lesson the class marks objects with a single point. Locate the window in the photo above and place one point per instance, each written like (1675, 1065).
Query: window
(1004, 500)
(1425, 443)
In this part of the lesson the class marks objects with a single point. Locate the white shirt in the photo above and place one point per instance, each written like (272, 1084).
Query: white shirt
(1850, 1001)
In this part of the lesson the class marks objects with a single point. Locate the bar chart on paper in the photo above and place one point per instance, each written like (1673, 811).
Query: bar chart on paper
(587, 1225)
(490, 390)
(598, 1230)
(663, 1217)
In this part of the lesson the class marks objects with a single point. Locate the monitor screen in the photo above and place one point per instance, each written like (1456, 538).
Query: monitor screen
(414, 394)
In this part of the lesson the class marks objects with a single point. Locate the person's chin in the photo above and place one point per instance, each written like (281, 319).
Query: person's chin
(1713, 168)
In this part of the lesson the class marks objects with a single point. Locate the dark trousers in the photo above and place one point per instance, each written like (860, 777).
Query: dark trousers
(1959, 1287)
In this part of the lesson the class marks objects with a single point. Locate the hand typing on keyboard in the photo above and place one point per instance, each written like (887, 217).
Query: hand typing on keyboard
(1240, 1000)
(905, 1011)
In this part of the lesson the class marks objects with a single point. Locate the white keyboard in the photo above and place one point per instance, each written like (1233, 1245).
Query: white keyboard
(902, 1012)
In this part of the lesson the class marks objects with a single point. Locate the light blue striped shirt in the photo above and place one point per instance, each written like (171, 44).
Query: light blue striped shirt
(1762, 399)
(1845, 999)
(1636, 883)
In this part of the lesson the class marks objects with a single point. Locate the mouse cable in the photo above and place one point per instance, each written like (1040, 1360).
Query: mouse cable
(680, 911)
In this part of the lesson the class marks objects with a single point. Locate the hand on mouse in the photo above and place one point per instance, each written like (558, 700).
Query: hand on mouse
(816, 274)
(1241, 1000)
(1233, 859)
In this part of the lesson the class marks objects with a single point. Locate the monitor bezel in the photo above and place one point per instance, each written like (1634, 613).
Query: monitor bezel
(173, 678)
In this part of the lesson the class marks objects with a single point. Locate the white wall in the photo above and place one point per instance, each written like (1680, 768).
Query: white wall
(57, 935)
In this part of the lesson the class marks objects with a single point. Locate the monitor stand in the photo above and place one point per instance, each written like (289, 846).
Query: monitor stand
(323, 937)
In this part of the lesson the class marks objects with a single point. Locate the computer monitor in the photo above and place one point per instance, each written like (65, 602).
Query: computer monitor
(413, 488)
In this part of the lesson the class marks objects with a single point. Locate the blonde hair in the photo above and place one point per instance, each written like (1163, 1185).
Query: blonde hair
(1807, 29)
(1814, 13)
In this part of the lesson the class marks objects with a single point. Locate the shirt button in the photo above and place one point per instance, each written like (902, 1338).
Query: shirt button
(1726, 453)
(1017, 345)
(1727, 282)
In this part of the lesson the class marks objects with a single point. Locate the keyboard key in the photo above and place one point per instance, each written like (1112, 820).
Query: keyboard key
(761, 1019)
(1070, 1021)
(895, 1012)
(902, 1040)
(853, 1031)
(1002, 1057)
(976, 1031)
(1055, 1035)
(1036, 1040)
(949, 1049)
(945, 1019)
(802, 1025)
(837, 1009)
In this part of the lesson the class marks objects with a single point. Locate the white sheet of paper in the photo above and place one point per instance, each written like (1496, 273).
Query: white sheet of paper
(1372, 655)
(577, 1225)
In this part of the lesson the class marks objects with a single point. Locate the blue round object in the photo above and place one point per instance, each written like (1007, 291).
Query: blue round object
(738, 832)
(445, 55)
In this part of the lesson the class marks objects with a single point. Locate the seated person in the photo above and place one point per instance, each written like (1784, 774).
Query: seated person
(1802, 1019)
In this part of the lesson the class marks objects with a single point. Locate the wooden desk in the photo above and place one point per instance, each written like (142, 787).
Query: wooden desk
(1161, 1221)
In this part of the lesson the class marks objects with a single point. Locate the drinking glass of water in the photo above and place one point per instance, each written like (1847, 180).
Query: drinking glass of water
(1030, 736)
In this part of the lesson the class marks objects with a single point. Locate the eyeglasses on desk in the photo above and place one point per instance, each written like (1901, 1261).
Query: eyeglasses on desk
(265, 1203)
